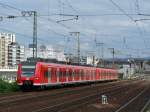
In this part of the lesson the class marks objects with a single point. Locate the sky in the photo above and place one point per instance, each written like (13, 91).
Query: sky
(111, 22)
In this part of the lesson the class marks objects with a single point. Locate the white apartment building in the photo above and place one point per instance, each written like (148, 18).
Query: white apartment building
(10, 52)
(15, 54)
(5, 40)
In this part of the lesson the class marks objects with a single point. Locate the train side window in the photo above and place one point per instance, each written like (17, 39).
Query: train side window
(46, 73)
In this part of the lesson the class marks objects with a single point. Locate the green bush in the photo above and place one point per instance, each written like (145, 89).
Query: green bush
(8, 87)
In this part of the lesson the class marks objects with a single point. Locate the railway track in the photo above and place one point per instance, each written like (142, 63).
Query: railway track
(131, 99)
(91, 100)
(61, 102)
(22, 96)
(137, 103)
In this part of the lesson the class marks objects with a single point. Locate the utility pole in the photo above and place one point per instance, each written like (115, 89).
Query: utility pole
(34, 44)
(113, 55)
(35, 34)
(100, 44)
(78, 44)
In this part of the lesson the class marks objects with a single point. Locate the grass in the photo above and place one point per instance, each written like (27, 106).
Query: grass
(8, 87)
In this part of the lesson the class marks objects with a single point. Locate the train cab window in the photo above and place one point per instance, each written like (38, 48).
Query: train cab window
(28, 70)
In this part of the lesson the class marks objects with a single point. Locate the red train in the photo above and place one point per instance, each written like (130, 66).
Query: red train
(42, 74)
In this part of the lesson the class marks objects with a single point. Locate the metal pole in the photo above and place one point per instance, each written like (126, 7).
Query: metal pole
(102, 51)
(34, 34)
(78, 47)
(113, 55)
(113, 52)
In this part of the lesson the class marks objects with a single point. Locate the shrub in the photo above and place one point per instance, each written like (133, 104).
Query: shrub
(8, 87)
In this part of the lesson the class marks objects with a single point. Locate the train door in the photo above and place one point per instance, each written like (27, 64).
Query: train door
(102, 74)
(46, 79)
(57, 73)
(99, 74)
(60, 75)
(64, 75)
(86, 74)
(106, 75)
(92, 75)
(70, 75)
(53, 75)
(82, 74)
(67, 74)
(96, 74)
(111, 75)
(73, 74)
(44, 74)
(76, 74)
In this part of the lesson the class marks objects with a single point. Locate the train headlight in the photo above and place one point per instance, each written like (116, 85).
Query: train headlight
(36, 78)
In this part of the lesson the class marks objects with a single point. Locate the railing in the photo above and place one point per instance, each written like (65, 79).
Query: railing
(8, 69)
(15, 67)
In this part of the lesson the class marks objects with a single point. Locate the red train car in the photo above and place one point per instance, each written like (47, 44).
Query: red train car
(41, 74)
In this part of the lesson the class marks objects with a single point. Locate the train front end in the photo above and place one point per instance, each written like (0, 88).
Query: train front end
(26, 75)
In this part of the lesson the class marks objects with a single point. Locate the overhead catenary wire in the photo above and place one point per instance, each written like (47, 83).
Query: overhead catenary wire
(82, 15)
(116, 5)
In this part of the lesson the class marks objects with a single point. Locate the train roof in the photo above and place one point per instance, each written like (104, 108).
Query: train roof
(53, 62)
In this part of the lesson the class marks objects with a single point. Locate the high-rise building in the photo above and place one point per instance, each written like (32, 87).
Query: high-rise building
(5, 40)
(10, 52)
(15, 54)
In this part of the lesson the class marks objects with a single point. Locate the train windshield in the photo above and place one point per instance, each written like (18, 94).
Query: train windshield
(28, 70)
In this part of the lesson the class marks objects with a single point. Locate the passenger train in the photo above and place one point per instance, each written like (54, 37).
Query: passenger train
(42, 74)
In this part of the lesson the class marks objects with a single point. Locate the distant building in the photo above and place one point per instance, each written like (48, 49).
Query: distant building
(15, 54)
(5, 40)
(10, 52)
(46, 52)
